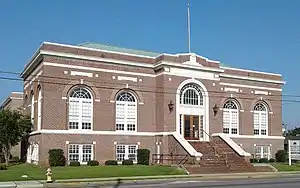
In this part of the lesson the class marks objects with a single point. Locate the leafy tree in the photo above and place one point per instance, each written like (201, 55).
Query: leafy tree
(14, 126)
(293, 132)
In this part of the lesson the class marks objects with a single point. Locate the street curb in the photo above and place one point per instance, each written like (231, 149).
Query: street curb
(178, 176)
(111, 180)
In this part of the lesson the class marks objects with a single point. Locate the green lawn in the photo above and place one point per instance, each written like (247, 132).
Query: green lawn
(14, 173)
(285, 167)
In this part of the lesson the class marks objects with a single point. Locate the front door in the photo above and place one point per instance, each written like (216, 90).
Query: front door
(191, 127)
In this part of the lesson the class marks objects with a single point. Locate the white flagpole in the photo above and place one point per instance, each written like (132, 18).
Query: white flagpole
(189, 28)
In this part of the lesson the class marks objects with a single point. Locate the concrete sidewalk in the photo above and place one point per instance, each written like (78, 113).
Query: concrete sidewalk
(114, 180)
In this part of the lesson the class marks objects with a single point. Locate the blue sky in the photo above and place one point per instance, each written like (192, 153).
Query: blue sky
(260, 35)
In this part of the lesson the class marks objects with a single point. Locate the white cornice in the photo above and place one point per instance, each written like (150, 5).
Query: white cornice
(145, 65)
(250, 86)
(251, 78)
(122, 62)
(98, 50)
(253, 71)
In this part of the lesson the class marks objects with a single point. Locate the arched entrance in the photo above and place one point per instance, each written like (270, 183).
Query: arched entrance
(192, 115)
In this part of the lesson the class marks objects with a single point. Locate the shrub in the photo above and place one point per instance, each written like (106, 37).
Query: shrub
(15, 159)
(56, 157)
(143, 156)
(111, 162)
(272, 160)
(280, 156)
(74, 163)
(3, 167)
(263, 160)
(93, 163)
(127, 162)
(253, 160)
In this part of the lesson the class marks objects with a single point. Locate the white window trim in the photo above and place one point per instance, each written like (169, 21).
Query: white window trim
(39, 122)
(259, 122)
(126, 152)
(230, 120)
(126, 116)
(262, 151)
(200, 97)
(80, 112)
(32, 109)
(80, 152)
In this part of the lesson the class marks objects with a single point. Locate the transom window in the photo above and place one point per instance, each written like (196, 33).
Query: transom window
(191, 94)
(126, 112)
(262, 152)
(80, 109)
(230, 117)
(260, 119)
(80, 153)
(124, 152)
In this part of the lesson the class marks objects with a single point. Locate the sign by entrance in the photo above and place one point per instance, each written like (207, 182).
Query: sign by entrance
(294, 150)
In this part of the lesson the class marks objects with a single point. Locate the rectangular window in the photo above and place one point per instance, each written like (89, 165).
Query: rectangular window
(226, 121)
(81, 153)
(260, 119)
(80, 114)
(125, 116)
(120, 117)
(124, 152)
(234, 122)
(262, 151)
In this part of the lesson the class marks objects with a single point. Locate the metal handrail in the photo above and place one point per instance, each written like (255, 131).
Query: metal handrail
(215, 149)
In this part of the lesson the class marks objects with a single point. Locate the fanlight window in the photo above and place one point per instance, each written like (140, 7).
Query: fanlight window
(260, 119)
(126, 112)
(80, 109)
(191, 94)
(230, 117)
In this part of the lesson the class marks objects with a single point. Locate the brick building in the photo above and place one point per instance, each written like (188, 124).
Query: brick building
(102, 102)
(14, 102)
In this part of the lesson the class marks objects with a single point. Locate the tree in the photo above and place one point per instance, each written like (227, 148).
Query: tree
(293, 132)
(14, 126)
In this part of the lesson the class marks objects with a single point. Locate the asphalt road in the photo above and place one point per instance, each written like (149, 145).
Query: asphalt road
(291, 182)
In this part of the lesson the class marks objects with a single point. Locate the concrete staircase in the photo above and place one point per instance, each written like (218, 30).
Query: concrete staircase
(218, 157)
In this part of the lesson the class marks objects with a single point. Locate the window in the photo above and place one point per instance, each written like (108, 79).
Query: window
(260, 119)
(262, 152)
(32, 108)
(191, 94)
(124, 152)
(80, 109)
(230, 118)
(81, 153)
(126, 112)
(39, 123)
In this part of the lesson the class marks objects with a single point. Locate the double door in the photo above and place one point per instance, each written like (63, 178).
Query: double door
(193, 127)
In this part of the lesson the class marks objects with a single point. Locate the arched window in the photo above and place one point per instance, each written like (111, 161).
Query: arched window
(260, 119)
(39, 123)
(126, 112)
(230, 118)
(191, 94)
(32, 108)
(80, 109)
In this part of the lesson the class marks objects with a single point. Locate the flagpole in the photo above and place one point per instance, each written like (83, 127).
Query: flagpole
(189, 27)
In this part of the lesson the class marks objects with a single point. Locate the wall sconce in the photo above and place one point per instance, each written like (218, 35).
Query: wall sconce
(215, 109)
(171, 106)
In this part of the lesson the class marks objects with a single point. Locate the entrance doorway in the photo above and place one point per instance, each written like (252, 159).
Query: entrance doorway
(193, 127)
